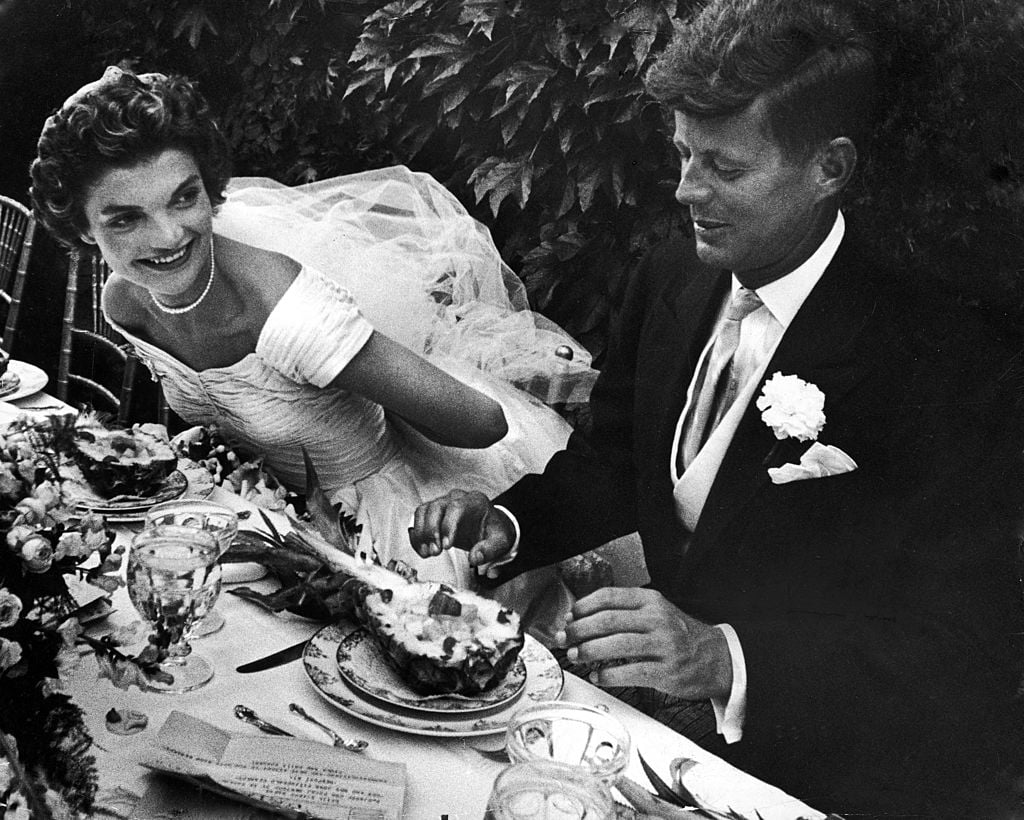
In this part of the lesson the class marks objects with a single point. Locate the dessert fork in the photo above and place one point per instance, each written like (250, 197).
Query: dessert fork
(338, 740)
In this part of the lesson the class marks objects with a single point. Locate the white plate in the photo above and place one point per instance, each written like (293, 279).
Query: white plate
(365, 667)
(30, 380)
(544, 681)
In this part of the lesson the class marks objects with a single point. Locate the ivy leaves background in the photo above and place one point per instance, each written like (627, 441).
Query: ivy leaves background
(533, 113)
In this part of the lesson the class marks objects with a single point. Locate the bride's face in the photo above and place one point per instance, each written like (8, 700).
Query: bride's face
(153, 223)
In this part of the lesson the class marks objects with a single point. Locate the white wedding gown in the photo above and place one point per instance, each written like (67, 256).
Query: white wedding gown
(395, 251)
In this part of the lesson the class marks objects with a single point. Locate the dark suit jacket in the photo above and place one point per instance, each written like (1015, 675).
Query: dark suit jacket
(877, 610)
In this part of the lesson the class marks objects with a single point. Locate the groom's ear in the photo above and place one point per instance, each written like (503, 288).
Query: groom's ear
(836, 163)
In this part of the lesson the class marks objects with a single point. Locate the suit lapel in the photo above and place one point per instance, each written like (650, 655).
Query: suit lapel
(691, 315)
(674, 335)
(825, 345)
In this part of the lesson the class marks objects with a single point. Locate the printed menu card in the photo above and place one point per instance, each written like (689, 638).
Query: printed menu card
(288, 775)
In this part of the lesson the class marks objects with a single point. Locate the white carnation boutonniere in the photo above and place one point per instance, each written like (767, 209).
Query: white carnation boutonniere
(792, 408)
(795, 409)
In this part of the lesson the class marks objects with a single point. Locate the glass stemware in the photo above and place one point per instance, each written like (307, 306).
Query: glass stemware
(214, 518)
(570, 733)
(173, 579)
(548, 790)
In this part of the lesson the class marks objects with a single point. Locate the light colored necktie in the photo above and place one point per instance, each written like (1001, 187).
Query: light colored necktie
(716, 387)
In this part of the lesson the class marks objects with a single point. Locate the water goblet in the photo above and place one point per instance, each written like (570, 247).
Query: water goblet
(570, 733)
(173, 579)
(216, 519)
(548, 790)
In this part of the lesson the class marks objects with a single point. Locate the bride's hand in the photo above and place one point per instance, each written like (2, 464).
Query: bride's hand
(466, 520)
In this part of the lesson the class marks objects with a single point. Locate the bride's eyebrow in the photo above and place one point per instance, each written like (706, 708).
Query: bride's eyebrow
(117, 208)
(192, 179)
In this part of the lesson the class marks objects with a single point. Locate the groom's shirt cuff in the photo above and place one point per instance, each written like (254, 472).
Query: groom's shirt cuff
(490, 569)
(730, 715)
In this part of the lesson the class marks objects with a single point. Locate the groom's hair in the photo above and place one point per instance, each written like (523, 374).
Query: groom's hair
(813, 61)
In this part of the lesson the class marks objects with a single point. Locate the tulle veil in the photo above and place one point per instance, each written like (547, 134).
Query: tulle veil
(421, 269)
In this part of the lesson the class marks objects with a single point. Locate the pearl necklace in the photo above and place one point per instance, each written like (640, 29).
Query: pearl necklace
(177, 311)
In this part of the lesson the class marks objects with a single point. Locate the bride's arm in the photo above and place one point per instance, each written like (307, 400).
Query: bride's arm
(435, 403)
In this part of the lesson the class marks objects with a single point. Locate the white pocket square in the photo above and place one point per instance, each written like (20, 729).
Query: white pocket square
(819, 461)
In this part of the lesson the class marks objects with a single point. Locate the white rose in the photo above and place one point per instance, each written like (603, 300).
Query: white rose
(32, 510)
(37, 553)
(10, 654)
(48, 493)
(17, 534)
(72, 543)
(792, 407)
(10, 608)
(10, 484)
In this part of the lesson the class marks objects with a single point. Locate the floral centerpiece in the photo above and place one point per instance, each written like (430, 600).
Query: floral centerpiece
(45, 766)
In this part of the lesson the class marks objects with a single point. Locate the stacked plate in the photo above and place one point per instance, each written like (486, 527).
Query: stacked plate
(348, 668)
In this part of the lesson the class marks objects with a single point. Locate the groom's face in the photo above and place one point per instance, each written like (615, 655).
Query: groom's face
(755, 208)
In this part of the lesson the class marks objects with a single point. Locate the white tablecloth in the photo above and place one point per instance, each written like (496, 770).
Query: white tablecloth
(38, 405)
(447, 777)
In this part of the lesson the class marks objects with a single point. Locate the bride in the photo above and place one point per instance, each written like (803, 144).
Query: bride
(368, 319)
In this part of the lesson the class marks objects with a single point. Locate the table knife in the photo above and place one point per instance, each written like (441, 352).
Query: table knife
(282, 656)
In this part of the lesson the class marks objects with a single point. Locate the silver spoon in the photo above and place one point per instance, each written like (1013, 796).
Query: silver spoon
(247, 715)
(351, 745)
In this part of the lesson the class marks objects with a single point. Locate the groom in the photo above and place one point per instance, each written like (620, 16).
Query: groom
(823, 463)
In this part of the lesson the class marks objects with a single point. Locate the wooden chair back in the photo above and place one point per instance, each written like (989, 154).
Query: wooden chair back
(17, 229)
(97, 366)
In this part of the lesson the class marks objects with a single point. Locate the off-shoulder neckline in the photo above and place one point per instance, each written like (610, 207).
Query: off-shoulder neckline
(226, 367)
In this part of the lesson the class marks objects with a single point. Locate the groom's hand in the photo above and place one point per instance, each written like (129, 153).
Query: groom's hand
(466, 520)
(638, 638)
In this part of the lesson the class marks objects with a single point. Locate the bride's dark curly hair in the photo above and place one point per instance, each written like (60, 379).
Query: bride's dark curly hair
(118, 122)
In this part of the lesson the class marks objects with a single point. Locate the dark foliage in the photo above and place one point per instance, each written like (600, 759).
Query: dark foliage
(532, 111)
(943, 191)
(274, 72)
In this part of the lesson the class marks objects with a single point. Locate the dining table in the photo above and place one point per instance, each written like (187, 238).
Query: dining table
(448, 777)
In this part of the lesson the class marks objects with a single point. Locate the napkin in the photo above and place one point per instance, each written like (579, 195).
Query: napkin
(723, 788)
(820, 460)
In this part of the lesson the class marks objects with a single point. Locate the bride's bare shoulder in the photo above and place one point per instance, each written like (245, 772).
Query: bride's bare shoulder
(122, 302)
(266, 274)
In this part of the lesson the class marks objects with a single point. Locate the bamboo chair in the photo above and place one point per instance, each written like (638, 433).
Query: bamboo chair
(97, 366)
(17, 229)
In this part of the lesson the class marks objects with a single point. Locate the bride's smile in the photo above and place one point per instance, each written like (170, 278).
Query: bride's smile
(152, 222)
